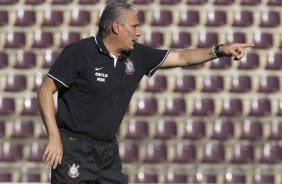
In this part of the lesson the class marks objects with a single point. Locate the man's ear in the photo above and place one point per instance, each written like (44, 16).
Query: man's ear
(115, 27)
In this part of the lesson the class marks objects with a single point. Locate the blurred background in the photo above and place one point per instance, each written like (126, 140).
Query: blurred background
(219, 122)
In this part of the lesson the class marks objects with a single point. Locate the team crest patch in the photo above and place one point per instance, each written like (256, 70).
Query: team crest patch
(129, 67)
(73, 171)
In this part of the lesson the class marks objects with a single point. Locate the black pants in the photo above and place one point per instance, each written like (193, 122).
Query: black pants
(88, 162)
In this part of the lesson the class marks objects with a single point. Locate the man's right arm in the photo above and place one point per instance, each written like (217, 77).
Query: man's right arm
(54, 150)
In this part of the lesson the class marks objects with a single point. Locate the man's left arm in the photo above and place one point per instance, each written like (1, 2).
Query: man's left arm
(190, 57)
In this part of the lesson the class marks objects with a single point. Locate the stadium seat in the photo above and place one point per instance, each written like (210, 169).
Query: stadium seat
(4, 18)
(249, 62)
(30, 106)
(216, 18)
(213, 153)
(242, 153)
(212, 84)
(146, 106)
(22, 129)
(220, 63)
(269, 84)
(260, 107)
(196, 2)
(274, 3)
(155, 153)
(49, 58)
(180, 40)
(61, 2)
(250, 2)
(165, 129)
(184, 153)
(172, 177)
(4, 61)
(161, 18)
(156, 83)
(30, 176)
(25, 60)
(88, 2)
(2, 129)
(52, 18)
(8, 2)
(236, 37)
(270, 19)
(146, 176)
(262, 176)
(25, 18)
(174, 106)
(184, 83)
(142, 2)
(271, 153)
(274, 61)
(35, 151)
(203, 107)
(222, 129)
(154, 39)
(240, 84)
(10, 152)
(42, 40)
(233, 176)
(194, 129)
(242, 18)
(43, 133)
(129, 152)
(15, 83)
(68, 38)
(7, 106)
(169, 2)
(15, 40)
(251, 130)
(141, 17)
(205, 176)
(207, 39)
(34, 2)
(37, 81)
(223, 2)
(137, 129)
(188, 18)
(6, 176)
(262, 40)
(80, 18)
(231, 107)
(275, 130)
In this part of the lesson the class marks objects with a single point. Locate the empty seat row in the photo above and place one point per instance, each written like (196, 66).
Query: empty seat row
(43, 40)
(142, 2)
(225, 107)
(180, 153)
(22, 59)
(212, 83)
(242, 18)
(220, 129)
(228, 175)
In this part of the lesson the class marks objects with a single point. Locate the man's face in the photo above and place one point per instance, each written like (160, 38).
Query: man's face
(129, 31)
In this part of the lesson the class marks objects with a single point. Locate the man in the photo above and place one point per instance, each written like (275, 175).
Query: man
(95, 79)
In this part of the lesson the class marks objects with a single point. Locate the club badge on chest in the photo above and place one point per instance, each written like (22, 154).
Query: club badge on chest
(129, 66)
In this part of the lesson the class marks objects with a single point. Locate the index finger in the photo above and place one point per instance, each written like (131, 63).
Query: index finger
(245, 45)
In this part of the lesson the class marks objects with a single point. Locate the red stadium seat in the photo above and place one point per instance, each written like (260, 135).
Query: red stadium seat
(53, 18)
(165, 129)
(242, 18)
(184, 153)
(155, 153)
(80, 18)
(25, 60)
(222, 129)
(15, 83)
(22, 129)
(25, 18)
(216, 18)
(161, 18)
(270, 19)
(213, 153)
(4, 18)
(15, 40)
(194, 129)
(189, 18)
(137, 129)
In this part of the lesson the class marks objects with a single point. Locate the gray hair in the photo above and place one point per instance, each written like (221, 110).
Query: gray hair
(114, 11)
